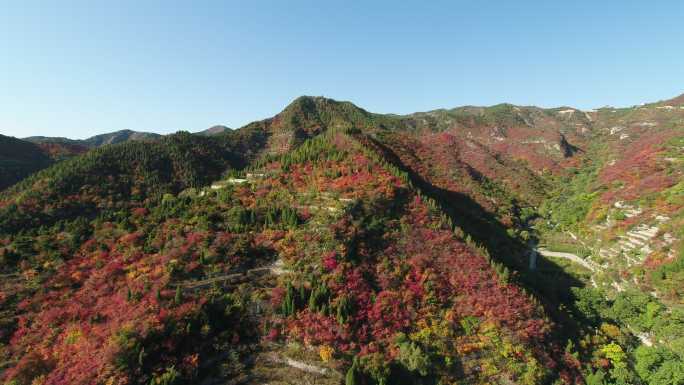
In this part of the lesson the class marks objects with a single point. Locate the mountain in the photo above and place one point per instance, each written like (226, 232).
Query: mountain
(328, 244)
(99, 140)
(214, 130)
(119, 137)
(19, 158)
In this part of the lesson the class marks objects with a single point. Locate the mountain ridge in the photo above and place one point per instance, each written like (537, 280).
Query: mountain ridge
(98, 140)
(305, 101)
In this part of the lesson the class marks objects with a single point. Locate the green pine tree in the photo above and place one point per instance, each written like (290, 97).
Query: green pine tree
(350, 378)
(179, 295)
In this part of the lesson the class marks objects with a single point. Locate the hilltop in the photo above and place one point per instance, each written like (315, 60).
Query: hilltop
(215, 130)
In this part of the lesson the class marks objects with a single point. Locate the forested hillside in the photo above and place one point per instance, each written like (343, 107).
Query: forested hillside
(330, 245)
(19, 159)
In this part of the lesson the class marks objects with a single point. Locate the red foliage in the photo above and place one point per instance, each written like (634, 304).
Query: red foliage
(640, 168)
(421, 268)
(140, 211)
(330, 261)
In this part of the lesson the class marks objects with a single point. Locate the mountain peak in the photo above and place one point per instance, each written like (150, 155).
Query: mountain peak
(319, 111)
(215, 130)
(310, 104)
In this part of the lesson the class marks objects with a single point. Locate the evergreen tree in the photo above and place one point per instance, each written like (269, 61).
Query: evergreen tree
(179, 295)
(350, 378)
(344, 310)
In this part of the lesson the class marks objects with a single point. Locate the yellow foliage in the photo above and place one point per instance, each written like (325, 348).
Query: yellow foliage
(206, 329)
(431, 333)
(489, 329)
(158, 271)
(615, 354)
(72, 336)
(30, 274)
(469, 347)
(506, 349)
(489, 368)
(326, 353)
(610, 330)
(422, 324)
(533, 372)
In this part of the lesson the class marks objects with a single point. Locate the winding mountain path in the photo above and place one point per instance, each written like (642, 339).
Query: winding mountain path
(557, 254)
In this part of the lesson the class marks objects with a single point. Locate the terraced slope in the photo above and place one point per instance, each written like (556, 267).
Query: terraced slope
(625, 201)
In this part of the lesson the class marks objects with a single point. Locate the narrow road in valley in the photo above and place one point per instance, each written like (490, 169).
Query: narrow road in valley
(557, 254)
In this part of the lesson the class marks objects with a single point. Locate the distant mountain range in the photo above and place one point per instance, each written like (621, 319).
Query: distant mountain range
(116, 137)
(98, 140)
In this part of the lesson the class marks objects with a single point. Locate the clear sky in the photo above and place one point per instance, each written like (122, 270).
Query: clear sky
(80, 68)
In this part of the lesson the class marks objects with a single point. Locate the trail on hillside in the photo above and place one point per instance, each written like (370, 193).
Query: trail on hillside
(572, 257)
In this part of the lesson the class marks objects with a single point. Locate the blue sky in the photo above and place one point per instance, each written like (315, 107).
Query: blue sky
(80, 68)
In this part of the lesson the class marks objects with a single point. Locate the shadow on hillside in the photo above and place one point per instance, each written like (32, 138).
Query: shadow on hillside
(549, 282)
(482, 226)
